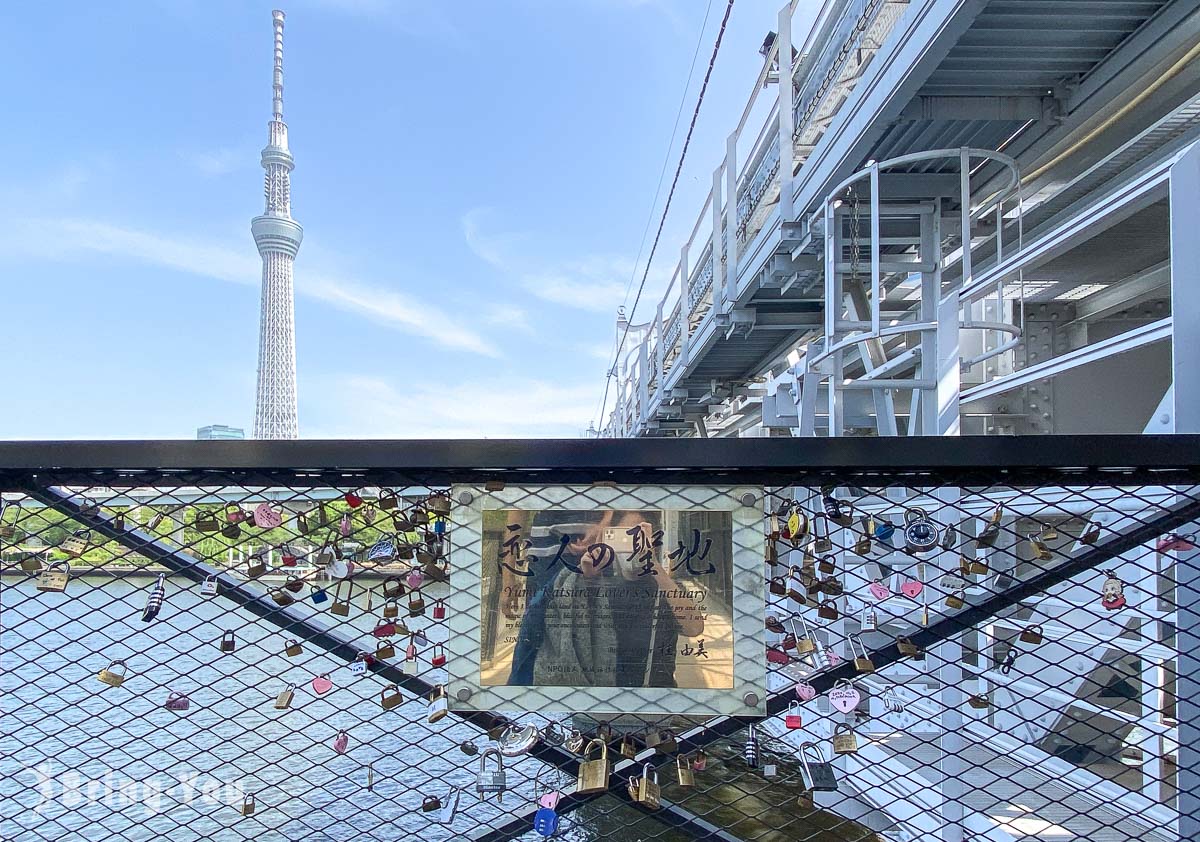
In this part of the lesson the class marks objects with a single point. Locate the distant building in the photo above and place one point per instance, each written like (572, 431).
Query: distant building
(219, 432)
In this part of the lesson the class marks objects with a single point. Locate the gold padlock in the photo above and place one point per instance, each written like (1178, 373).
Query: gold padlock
(292, 648)
(805, 644)
(206, 522)
(31, 563)
(593, 774)
(667, 743)
(393, 586)
(281, 597)
(862, 544)
(862, 659)
(341, 602)
(645, 790)
(284, 700)
(844, 741)
(54, 577)
(389, 697)
(979, 566)
(906, 647)
(683, 769)
(385, 649)
(1033, 635)
(1040, 551)
(827, 564)
(248, 804)
(416, 604)
(110, 676)
(955, 600)
(388, 499)
(628, 747)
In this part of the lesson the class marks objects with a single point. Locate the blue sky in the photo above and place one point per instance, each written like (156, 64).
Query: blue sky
(473, 179)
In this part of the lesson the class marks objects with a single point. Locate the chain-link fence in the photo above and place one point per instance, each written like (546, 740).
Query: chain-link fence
(970, 641)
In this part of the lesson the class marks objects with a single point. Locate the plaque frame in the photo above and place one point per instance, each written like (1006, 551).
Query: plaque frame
(748, 695)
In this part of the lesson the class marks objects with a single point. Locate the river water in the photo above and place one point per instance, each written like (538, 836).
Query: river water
(82, 760)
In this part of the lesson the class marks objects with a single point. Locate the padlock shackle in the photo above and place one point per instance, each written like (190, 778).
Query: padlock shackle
(603, 749)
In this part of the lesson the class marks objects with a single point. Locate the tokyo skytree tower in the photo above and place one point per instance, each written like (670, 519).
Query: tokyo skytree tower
(278, 238)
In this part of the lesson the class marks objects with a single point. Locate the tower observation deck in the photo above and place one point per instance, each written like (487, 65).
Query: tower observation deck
(278, 238)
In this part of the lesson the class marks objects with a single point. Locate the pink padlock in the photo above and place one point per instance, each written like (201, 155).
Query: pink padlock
(550, 800)
(344, 527)
(439, 610)
(267, 518)
(805, 691)
(911, 587)
(341, 742)
(879, 590)
(321, 684)
(415, 578)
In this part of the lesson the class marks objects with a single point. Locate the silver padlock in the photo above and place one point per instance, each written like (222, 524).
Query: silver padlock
(920, 533)
(493, 782)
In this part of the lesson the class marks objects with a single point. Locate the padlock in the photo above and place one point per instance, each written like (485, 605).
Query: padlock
(265, 517)
(78, 543)
(248, 804)
(439, 610)
(439, 504)
(31, 563)
(416, 604)
(382, 551)
(341, 742)
(858, 650)
(1032, 634)
(645, 790)
(341, 601)
(209, 586)
(318, 594)
(321, 684)
(862, 544)
(256, 564)
(805, 642)
(683, 771)
(206, 522)
(231, 530)
(822, 542)
(794, 719)
(1090, 534)
(353, 499)
(430, 803)
(920, 533)
(302, 524)
(604, 732)
(1040, 550)
(979, 566)
(699, 761)
(281, 597)
(979, 701)
(294, 584)
(816, 772)
(593, 774)
(545, 822)
(391, 609)
(111, 676)
(832, 586)
(820, 657)
(439, 655)
(385, 649)
(177, 701)
(414, 578)
(750, 748)
(228, 642)
(345, 527)
(869, 619)
(55, 577)
(989, 533)
(955, 600)
(284, 700)
(384, 628)
(667, 742)
(827, 564)
(797, 525)
(493, 782)
(628, 746)
(950, 537)
(906, 647)
(292, 648)
(388, 499)
(828, 609)
(884, 532)
(118, 522)
(468, 748)
(844, 696)
(287, 555)
(410, 651)
(575, 741)
(439, 705)
(1112, 593)
(653, 738)
(844, 741)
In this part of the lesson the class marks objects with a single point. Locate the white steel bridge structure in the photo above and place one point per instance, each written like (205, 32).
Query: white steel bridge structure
(960, 217)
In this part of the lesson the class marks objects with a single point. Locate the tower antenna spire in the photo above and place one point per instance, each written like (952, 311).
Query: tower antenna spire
(278, 238)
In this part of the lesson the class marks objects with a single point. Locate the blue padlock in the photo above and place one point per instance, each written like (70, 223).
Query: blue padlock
(439, 527)
(319, 595)
(545, 822)
(884, 532)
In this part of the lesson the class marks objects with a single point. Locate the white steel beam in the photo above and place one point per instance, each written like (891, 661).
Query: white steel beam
(1185, 290)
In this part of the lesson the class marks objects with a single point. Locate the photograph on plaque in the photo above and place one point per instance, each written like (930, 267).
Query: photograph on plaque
(621, 598)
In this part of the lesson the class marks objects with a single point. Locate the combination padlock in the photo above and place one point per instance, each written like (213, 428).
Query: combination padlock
(920, 533)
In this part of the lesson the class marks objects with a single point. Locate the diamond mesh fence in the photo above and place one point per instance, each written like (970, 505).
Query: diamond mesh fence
(951, 653)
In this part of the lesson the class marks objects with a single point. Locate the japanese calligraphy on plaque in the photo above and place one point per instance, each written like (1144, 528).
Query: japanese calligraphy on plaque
(606, 600)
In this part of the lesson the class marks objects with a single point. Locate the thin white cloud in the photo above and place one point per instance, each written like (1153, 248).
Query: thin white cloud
(63, 238)
(506, 316)
(596, 283)
(214, 162)
(497, 408)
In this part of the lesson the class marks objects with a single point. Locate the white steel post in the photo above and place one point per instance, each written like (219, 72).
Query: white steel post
(685, 308)
(786, 114)
(731, 212)
(718, 239)
(1185, 293)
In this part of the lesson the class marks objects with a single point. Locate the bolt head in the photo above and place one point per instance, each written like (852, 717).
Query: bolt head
(465, 498)
(750, 700)
(463, 694)
(748, 499)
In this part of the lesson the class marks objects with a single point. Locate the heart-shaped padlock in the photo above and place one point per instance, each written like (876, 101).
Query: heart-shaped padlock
(806, 691)
(911, 588)
(321, 684)
(844, 697)
(879, 590)
(267, 518)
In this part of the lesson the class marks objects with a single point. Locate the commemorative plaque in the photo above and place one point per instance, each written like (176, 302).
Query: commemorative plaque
(602, 600)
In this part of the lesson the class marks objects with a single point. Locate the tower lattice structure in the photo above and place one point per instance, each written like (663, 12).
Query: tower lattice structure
(278, 238)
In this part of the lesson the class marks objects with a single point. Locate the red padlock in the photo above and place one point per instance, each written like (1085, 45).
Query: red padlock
(353, 500)
(439, 610)
(410, 653)
(439, 657)
(793, 720)
(384, 628)
(287, 556)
